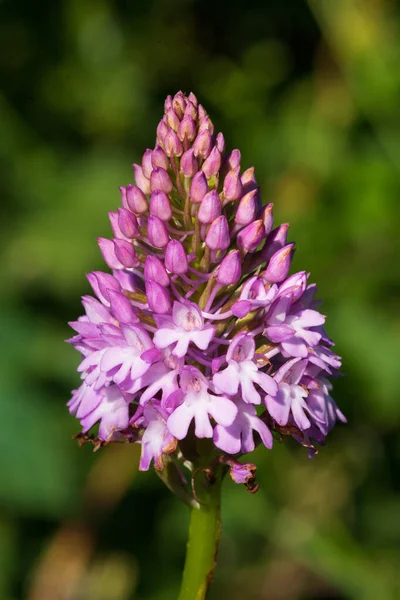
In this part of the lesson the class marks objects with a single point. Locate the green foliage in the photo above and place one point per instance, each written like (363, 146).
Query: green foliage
(309, 93)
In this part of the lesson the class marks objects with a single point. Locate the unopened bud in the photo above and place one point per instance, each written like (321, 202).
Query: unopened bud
(279, 265)
(210, 207)
(160, 180)
(198, 188)
(157, 232)
(127, 223)
(251, 236)
(218, 237)
(141, 181)
(212, 163)
(160, 205)
(155, 270)
(158, 297)
(159, 158)
(229, 271)
(233, 185)
(189, 165)
(172, 144)
(147, 166)
(247, 208)
(202, 144)
(176, 258)
(187, 129)
(136, 200)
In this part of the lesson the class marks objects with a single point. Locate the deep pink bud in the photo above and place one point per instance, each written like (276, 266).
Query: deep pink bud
(233, 185)
(160, 180)
(202, 144)
(123, 197)
(125, 253)
(147, 166)
(218, 234)
(127, 223)
(108, 252)
(279, 265)
(212, 164)
(268, 217)
(102, 283)
(172, 144)
(121, 308)
(175, 258)
(202, 112)
(251, 236)
(136, 200)
(275, 240)
(193, 99)
(158, 297)
(247, 208)
(206, 125)
(220, 142)
(162, 129)
(233, 159)
(191, 111)
(160, 205)
(155, 270)
(159, 158)
(229, 271)
(179, 104)
(198, 188)
(157, 232)
(187, 129)
(167, 103)
(210, 207)
(248, 180)
(141, 181)
(172, 119)
(189, 165)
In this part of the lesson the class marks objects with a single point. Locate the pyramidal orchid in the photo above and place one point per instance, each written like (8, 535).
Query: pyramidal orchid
(198, 344)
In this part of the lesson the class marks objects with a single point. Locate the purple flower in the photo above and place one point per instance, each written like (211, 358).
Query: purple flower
(184, 326)
(199, 331)
(239, 437)
(243, 372)
(156, 440)
(196, 403)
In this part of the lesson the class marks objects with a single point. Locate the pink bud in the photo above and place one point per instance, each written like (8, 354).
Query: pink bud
(268, 218)
(189, 165)
(220, 142)
(108, 252)
(123, 196)
(160, 205)
(159, 158)
(275, 240)
(158, 297)
(198, 188)
(125, 253)
(202, 112)
(218, 234)
(136, 200)
(102, 283)
(141, 181)
(172, 144)
(127, 223)
(167, 103)
(157, 232)
(155, 270)
(172, 119)
(210, 207)
(187, 129)
(162, 129)
(121, 308)
(193, 99)
(176, 258)
(233, 159)
(179, 104)
(229, 271)
(279, 265)
(160, 180)
(206, 124)
(233, 185)
(247, 208)
(202, 144)
(212, 163)
(147, 166)
(191, 111)
(251, 236)
(248, 180)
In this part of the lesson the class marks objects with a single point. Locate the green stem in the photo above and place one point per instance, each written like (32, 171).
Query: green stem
(204, 534)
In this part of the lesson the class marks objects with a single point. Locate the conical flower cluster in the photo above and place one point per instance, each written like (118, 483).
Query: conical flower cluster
(200, 332)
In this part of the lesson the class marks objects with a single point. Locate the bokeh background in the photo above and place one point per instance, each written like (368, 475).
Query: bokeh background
(309, 91)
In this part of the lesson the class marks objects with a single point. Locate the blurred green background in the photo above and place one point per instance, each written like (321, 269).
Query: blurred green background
(309, 91)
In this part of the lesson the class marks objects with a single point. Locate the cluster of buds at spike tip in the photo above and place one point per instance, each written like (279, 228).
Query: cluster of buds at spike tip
(200, 331)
